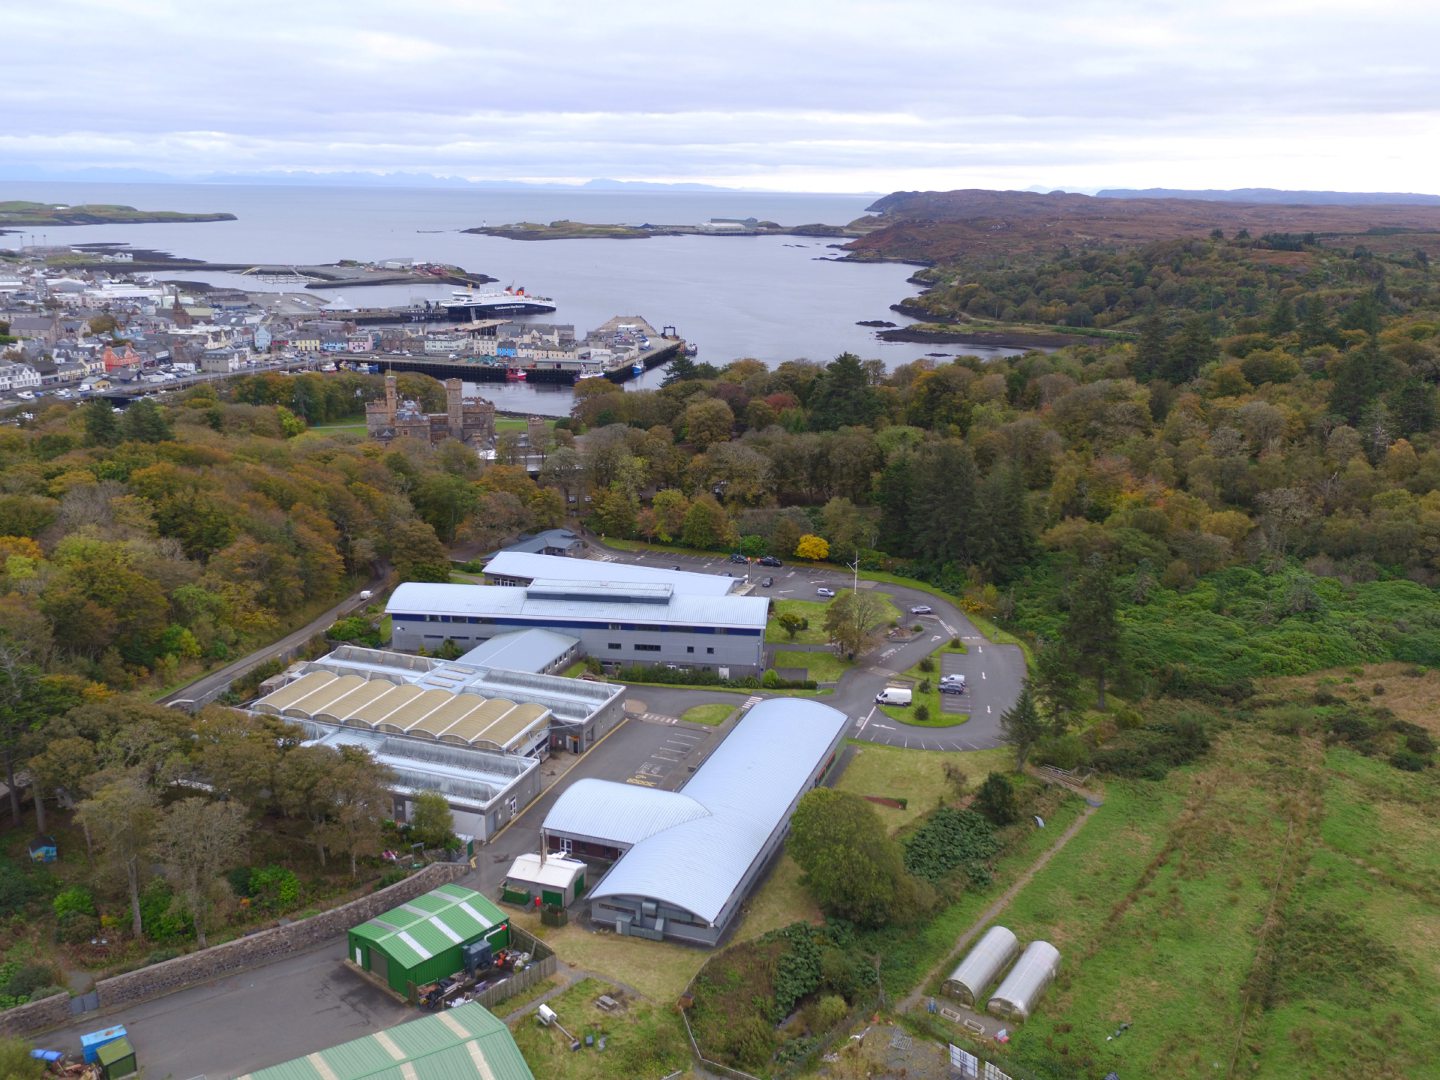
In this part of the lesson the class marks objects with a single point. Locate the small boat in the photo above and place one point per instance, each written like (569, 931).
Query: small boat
(637, 368)
(691, 349)
(515, 374)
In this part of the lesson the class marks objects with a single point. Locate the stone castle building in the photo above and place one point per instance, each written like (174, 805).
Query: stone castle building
(471, 420)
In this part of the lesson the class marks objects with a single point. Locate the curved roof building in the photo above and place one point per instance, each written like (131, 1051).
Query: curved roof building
(686, 860)
(982, 964)
(1015, 998)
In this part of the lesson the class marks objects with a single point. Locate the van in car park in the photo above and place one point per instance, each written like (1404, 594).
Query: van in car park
(894, 695)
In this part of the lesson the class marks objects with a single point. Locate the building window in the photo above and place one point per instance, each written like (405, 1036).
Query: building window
(614, 645)
(647, 648)
(689, 648)
(710, 649)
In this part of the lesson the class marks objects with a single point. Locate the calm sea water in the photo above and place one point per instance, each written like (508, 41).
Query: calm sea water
(772, 298)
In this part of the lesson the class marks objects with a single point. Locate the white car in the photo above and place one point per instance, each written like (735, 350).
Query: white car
(823, 591)
(922, 609)
(960, 679)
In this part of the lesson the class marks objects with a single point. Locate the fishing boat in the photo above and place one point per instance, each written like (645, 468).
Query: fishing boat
(515, 374)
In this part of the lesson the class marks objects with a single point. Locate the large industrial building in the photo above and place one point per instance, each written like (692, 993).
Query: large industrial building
(512, 567)
(619, 622)
(686, 860)
(474, 733)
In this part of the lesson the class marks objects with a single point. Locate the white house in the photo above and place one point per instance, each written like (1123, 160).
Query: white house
(18, 377)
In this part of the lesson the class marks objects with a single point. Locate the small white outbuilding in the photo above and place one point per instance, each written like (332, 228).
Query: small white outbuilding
(555, 880)
(1033, 972)
(981, 965)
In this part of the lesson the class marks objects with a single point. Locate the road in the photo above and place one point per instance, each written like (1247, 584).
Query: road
(993, 673)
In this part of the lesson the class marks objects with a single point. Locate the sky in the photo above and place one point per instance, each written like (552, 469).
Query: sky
(819, 95)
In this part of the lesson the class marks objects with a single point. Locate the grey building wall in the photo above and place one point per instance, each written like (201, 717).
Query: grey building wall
(743, 652)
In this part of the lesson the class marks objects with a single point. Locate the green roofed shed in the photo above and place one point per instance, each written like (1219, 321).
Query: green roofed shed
(420, 941)
(465, 1043)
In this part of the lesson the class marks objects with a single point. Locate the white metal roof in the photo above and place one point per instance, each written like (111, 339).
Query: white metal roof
(524, 650)
(623, 814)
(521, 564)
(555, 871)
(618, 605)
(1028, 979)
(747, 786)
(983, 962)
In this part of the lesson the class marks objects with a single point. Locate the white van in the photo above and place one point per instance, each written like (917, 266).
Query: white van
(894, 695)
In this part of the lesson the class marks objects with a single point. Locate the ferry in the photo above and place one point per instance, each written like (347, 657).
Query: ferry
(467, 305)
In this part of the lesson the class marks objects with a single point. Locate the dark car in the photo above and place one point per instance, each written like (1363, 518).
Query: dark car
(736, 557)
(770, 560)
(765, 583)
(951, 688)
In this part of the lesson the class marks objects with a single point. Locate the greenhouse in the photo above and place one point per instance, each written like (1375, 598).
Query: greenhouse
(982, 965)
(1033, 972)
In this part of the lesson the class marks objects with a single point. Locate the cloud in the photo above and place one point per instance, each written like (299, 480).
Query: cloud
(1313, 94)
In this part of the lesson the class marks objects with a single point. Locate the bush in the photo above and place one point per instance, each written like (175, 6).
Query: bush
(161, 920)
(771, 679)
(23, 982)
(1409, 761)
(274, 888)
(1068, 752)
(390, 877)
(159, 956)
(239, 880)
(996, 799)
(18, 888)
(916, 628)
(357, 629)
(1149, 753)
(76, 928)
(76, 900)
(927, 664)
(922, 713)
(825, 1013)
(949, 840)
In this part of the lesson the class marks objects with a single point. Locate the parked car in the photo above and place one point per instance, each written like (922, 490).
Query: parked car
(894, 695)
(765, 583)
(951, 688)
(736, 557)
(823, 591)
(922, 609)
(952, 679)
(770, 560)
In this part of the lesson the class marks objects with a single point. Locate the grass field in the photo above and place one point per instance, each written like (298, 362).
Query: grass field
(820, 666)
(1270, 911)
(643, 1039)
(806, 609)
(708, 714)
(917, 776)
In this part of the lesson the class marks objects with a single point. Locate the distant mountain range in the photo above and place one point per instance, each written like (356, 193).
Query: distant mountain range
(1276, 197)
(10, 172)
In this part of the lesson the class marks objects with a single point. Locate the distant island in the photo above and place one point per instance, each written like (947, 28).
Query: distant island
(579, 230)
(33, 213)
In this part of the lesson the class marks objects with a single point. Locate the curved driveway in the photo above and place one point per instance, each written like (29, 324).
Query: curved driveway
(993, 673)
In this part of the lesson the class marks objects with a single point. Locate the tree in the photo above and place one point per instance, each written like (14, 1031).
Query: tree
(849, 865)
(792, 623)
(432, 823)
(357, 792)
(1191, 350)
(813, 547)
(1021, 725)
(101, 427)
(1092, 629)
(195, 842)
(144, 422)
(16, 1062)
(120, 818)
(707, 422)
(996, 799)
(850, 618)
(707, 525)
(1361, 377)
(842, 396)
(1056, 687)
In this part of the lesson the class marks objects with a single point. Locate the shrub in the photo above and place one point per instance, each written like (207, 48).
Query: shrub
(949, 840)
(771, 679)
(1067, 752)
(926, 664)
(239, 880)
(956, 643)
(18, 888)
(159, 956)
(917, 629)
(1149, 753)
(1409, 761)
(825, 1013)
(76, 928)
(996, 799)
(390, 877)
(161, 920)
(922, 713)
(274, 888)
(76, 900)
(925, 686)
(23, 982)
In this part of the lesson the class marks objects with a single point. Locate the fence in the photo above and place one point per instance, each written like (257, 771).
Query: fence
(542, 965)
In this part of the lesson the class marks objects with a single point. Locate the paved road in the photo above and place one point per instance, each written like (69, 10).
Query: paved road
(993, 673)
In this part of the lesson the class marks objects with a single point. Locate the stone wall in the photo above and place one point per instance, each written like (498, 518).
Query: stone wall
(241, 954)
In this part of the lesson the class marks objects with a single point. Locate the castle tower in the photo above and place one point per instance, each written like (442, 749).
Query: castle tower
(455, 407)
(392, 396)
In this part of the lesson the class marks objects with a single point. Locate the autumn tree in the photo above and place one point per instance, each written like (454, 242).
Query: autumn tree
(850, 618)
(121, 819)
(195, 841)
(812, 547)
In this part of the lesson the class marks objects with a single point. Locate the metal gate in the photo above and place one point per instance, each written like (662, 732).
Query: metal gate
(85, 1003)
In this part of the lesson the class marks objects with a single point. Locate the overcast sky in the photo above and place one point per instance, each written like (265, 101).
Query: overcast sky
(783, 95)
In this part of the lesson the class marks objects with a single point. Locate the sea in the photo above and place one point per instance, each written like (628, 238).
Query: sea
(774, 298)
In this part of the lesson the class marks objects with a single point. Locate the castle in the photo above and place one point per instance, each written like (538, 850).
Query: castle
(471, 420)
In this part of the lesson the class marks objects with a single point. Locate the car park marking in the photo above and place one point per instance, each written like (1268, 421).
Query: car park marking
(982, 675)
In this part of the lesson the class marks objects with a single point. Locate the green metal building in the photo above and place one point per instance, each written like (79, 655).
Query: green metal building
(420, 942)
(465, 1043)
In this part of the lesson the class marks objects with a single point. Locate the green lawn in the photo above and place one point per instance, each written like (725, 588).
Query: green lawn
(820, 666)
(642, 1039)
(806, 609)
(708, 714)
(917, 776)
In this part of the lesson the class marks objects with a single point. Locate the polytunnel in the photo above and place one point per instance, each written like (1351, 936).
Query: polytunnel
(1032, 973)
(982, 964)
